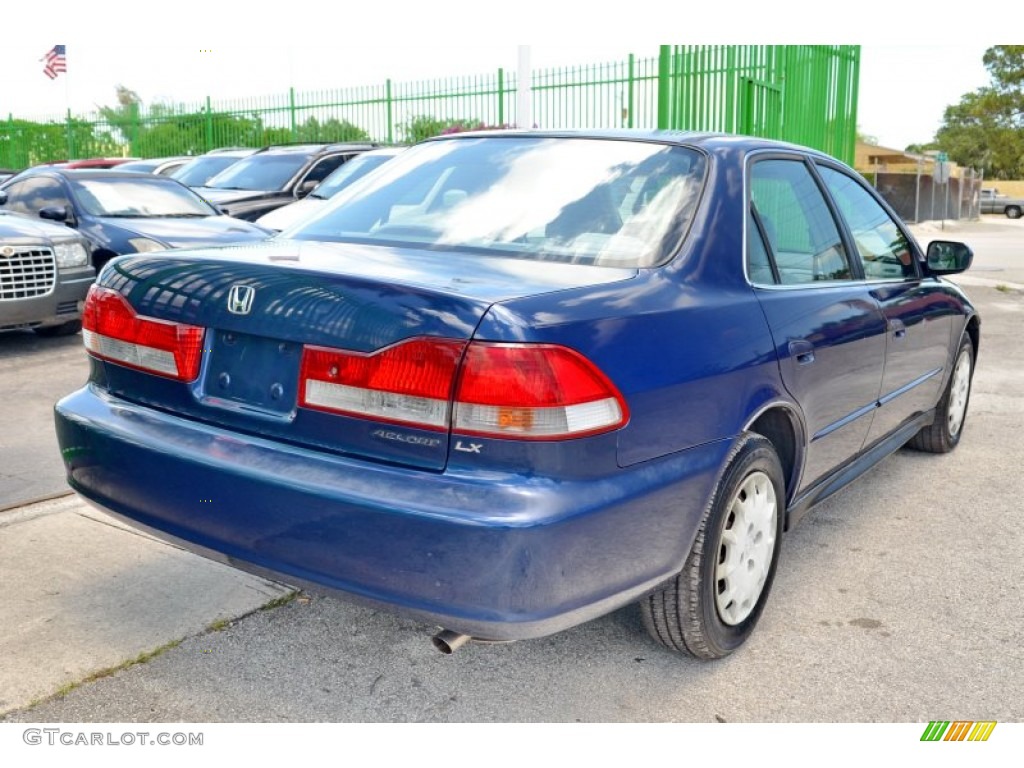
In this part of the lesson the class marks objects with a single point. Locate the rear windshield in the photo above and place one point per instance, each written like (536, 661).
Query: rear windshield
(587, 201)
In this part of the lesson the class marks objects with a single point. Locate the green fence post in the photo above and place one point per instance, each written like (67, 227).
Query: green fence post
(391, 117)
(8, 157)
(291, 107)
(133, 135)
(501, 96)
(664, 86)
(629, 99)
(850, 145)
(209, 125)
(71, 137)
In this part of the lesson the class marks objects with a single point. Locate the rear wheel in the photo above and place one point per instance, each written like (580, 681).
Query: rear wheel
(711, 607)
(1013, 212)
(69, 328)
(943, 435)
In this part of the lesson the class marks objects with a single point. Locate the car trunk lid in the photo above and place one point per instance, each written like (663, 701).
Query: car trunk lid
(279, 315)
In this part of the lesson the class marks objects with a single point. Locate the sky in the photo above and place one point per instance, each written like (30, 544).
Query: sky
(908, 75)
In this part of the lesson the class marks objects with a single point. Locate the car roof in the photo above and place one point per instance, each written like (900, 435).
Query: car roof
(315, 148)
(99, 173)
(706, 139)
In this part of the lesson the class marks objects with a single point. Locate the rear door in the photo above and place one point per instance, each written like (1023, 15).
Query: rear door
(828, 331)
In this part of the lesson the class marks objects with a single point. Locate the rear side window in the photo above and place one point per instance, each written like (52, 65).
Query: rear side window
(882, 246)
(802, 235)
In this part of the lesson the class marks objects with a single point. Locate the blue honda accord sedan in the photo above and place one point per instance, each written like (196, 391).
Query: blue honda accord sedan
(513, 381)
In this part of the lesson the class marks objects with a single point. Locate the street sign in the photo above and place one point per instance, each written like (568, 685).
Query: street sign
(942, 157)
(941, 172)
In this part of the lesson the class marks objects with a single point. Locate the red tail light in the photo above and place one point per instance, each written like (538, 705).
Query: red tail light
(113, 331)
(410, 382)
(521, 391)
(534, 391)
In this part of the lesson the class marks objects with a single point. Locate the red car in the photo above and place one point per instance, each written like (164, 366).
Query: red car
(98, 162)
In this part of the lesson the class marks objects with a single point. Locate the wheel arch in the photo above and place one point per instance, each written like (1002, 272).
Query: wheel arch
(973, 329)
(780, 424)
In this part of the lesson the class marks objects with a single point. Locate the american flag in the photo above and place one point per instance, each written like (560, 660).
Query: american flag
(56, 62)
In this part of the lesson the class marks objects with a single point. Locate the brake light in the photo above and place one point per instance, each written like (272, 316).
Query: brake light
(534, 391)
(409, 382)
(112, 330)
(520, 391)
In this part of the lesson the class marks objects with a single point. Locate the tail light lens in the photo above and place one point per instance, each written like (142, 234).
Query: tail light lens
(410, 382)
(113, 331)
(520, 391)
(534, 391)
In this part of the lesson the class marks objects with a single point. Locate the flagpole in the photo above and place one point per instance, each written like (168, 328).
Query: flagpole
(67, 106)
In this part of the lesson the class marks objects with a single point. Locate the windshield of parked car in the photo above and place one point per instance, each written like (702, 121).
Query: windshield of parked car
(589, 201)
(262, 172)
(354, 169)
(145, 196)
(195, 173)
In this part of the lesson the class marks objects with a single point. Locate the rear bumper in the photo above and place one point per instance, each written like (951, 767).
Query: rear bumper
(498, 556)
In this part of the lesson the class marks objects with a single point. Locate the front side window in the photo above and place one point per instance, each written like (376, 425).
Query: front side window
(884, 249)
(32, 195)
(325, 168)
(801, 232)
(590, 201)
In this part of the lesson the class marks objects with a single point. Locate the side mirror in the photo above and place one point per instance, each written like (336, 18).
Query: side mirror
(947, 257)
(306, 187)
(54, 213)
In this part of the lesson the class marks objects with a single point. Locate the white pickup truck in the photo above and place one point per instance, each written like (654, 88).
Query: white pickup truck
(993, 202)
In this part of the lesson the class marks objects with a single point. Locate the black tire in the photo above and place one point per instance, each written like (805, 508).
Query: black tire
(69, 328)
(943, 435)
(684, 615)
(1013, 212)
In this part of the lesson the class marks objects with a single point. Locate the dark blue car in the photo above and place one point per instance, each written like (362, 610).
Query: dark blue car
(514, 381)
(122, 212)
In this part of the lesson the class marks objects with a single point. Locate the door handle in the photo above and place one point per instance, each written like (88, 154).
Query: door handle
(802, 350)
(899, 330)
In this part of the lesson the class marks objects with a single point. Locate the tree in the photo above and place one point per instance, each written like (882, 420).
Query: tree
(167, 129)
(986, 129)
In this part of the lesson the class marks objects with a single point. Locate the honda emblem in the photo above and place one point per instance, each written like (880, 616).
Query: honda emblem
(240, 299)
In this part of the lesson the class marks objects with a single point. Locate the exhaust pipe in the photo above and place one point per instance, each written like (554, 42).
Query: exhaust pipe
(448, 642)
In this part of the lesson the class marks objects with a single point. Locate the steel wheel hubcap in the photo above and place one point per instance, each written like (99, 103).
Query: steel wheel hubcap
(958, 392)
(746, 549)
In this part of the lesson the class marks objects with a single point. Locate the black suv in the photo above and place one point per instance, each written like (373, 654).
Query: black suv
(275, 176)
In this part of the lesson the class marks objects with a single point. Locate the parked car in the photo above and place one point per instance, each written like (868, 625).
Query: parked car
(275, 176)
(199, 170)
(993, 202)
(353, 170)
(162, 166)
(44, 276)
(122, 213)
(522, 379)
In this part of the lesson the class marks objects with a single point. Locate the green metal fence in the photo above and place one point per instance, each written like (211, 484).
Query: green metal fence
(804, 94)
